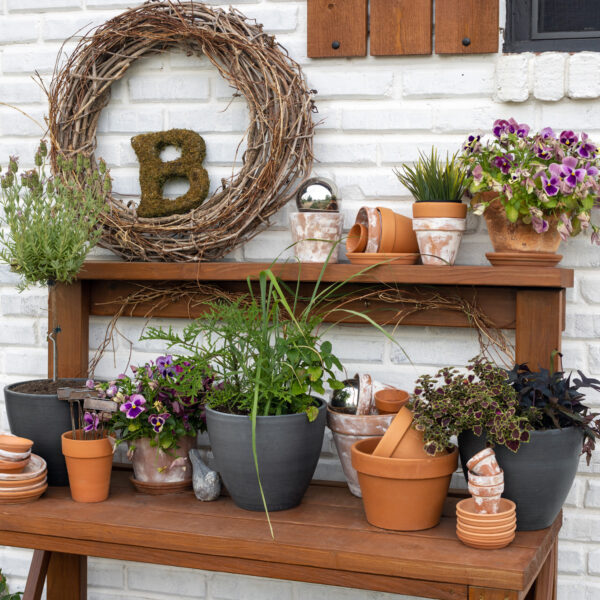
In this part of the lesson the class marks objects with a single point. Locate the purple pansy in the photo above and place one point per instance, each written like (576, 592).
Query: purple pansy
(90, 384)
(91, 421)
(564, 228)
(500, 127)
(547, 133)
(539, 224)
(568, 138)
(572, 175)
(477, 173)
(164, 364)
(586, 148)
(503, 163)
(112, 390)
(544, 152)
(521, 129)
(134, 406)
(550, 186)
(157, 421)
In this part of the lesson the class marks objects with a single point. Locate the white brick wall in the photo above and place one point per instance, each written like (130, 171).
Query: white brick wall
(376, 112)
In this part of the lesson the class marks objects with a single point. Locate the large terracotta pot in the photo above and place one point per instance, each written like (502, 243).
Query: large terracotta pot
(152, 464)
(403, 494)
(89, 463)
(517, 237)
(348, 429)
(325, 227)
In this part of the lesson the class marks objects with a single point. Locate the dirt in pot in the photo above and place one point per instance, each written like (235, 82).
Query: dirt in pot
(46, 386)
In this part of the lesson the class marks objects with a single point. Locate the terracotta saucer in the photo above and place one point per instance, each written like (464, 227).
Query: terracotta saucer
(497, 530)
(523, 259)
(13, 466)
(36, 466)
(157, 489)
(14, 456)
(22, 483)
(372, 258)
(466, 507)
(24, 496)
(13, 443)
(492, 545)
(483, 524)
(7, 491)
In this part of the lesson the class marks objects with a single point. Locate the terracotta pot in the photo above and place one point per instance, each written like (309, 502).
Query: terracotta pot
(401, 440)
(13, 466)
(444, 210)
(13, 443)
(484, 463)
(402, 494)
(388, 230)
(152, 464)
(325, 227)
(390, 401)
(406, 239)
(466, 509)
(357, 238)
(486, 480)
(348, 429)
(439, 239)
(517, 237)
(487, 498)
(89, 463)
(371, 219)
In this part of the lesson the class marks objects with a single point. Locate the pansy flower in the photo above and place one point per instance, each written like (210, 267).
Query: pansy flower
(91, 421)
(548, 133)
(158, 421)
(568, 138)
(572, 175)
(521, 129)
(564, 228)
(550, 186)
(503, 163)
(134, 406)
(90, 384)
(500, 127)
(586, 148)
(164, 364)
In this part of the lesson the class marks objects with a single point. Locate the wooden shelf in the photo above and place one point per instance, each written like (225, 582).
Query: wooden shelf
(521, 277)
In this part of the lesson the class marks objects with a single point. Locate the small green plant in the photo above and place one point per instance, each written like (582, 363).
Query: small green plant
(481, 401)
(51, 221)
(433, 180)
(4, 592)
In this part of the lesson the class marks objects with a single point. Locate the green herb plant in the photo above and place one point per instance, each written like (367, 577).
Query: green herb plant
(51, 221)
(4, 592)
(431, 179)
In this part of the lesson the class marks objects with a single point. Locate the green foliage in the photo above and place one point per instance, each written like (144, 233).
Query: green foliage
(433, 180)
(4, 592)
(482, 401)
(52, 222)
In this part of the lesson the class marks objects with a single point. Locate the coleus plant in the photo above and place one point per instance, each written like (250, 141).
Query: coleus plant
(543, 179)
(163, 401)
(481, 401)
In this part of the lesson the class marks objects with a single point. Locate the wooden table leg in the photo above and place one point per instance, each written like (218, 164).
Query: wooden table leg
(67, 577)
(544, 587)
(37, 575)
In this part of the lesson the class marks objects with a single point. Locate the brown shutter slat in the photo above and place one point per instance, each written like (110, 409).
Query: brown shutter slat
(473, 20)
(341, 21)
(401, 27)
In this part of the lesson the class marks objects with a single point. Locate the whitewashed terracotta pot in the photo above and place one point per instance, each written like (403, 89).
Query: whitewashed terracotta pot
(322, 226)
(153, 465)
(439, 239)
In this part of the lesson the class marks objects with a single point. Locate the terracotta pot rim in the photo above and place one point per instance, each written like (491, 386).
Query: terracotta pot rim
(439, 209)
(357, 241)
(467, 507)
(485, 523)
(86, 448)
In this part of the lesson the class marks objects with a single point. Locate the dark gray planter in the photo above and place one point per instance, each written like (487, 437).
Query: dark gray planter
(288, 449)
(42, 418)
(538, 477)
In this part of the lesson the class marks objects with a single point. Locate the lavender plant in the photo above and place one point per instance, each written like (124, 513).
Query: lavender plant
(543, 179)
(481, 401)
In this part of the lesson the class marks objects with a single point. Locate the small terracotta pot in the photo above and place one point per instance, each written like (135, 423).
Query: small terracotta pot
(439, 239)
(348, 429)
(13, 443)
(152, 464)
(484, 463)
(406, 239)
(401, 440)
(486, 498)
(486, 491)
(371, 219)
(89, 463)
(357, 238)
(517, 237)
(402, 494)
(388, 230)
(307, 228)
(443, 210)
(486, 480)
(390, 401)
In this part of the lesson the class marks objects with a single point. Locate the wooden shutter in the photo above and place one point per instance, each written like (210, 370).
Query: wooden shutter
(337, 28)
(466, 26)
(401, 27)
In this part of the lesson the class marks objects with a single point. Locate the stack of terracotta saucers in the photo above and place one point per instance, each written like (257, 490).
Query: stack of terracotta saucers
(22, 474)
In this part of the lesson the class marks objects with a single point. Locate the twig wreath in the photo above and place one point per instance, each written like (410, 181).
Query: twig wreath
(279, 137)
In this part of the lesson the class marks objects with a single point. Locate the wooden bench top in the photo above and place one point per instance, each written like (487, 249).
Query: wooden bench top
(325, 540)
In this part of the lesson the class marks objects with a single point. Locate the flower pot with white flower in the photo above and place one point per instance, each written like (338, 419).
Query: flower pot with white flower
(161, 411)
(534, 190)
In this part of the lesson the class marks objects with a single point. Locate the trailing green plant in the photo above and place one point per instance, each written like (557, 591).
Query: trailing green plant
(552, 400)
(432, 179)
(481, 401)
(4, 591)
(51, 221)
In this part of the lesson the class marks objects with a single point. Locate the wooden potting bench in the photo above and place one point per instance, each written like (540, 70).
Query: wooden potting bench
(327, 539)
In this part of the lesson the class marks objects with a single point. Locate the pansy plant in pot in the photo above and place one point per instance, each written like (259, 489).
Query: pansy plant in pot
(161, 411)
(534, 189)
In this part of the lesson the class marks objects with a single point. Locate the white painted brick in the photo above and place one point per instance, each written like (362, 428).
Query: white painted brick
(19, 90)
(30, 304)
(130, 120)
(27, 361)
(576, 494)
(574, 355)
(549, 76)
(310, 591)
(401, 148)
(284, 18)
(21, 29)
(590, 288)
(570, 589)
(41, 5)
(592, 494)
(353, 344)
(572, 558)
(584, 75)
(106, 573)
(209, 118)
(580, 325)
(110, 3)
(335, 83)
(512, 78)
(62, 26)
(13, 122)
(415, 116)
(187, 582)
(345, 150)
(579, 115)
(234, 587)
(580, 525)
(168, 88)
(466, 79)
(18, 331)
(29, 59)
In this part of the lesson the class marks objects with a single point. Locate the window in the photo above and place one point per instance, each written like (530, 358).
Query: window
(552, 25)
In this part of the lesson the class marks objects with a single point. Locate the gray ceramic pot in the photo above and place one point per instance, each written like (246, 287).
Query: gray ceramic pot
(288, 448)
(42, 418)
(538, 477)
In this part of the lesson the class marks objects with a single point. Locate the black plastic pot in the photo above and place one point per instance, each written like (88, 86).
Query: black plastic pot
(538, 477)
(288, 449)
(42, 418)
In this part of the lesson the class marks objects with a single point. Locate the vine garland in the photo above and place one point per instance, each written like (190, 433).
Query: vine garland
(279, 137)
